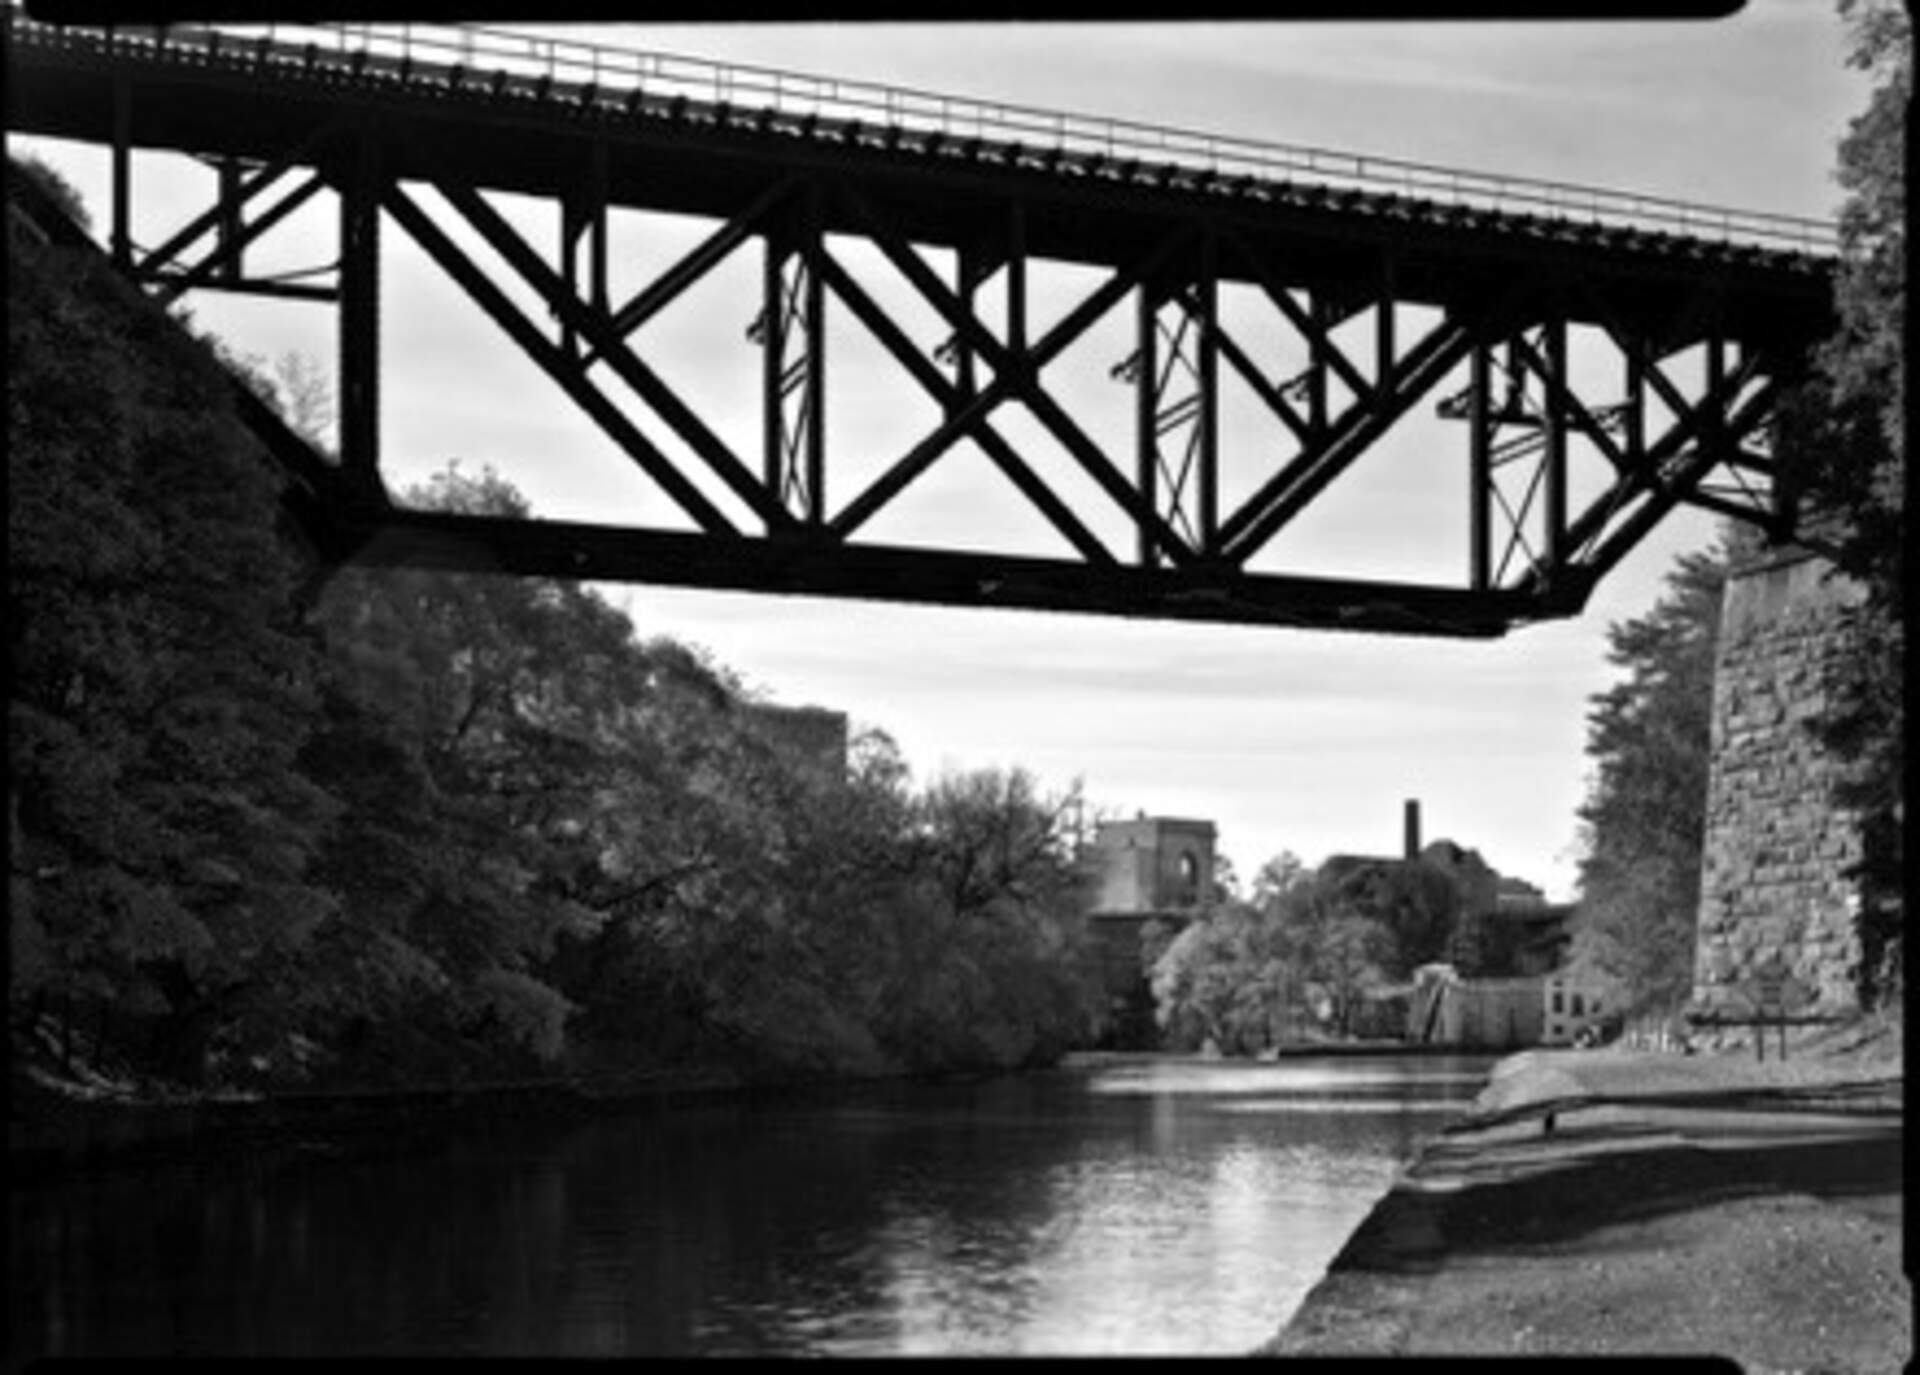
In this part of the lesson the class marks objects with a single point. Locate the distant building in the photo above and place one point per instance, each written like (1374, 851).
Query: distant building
(1534, 934)
(1502, 981)
(1145, 870)
(1517, 895)
(1476, 943)
(1152, 864)
(1502, 1014)
(1541, 937)
(1476, 946)
(1474, 1014)
(1504, 926)
(1572, 1003)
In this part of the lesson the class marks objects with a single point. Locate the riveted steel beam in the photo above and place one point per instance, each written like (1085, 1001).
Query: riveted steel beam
(790, 564)
(1145, 372)
(1563, 402)
(1553, 461)
(1480, 474)
(360, 313)
(1176, 378)
(583, 213)
(791, 325)
(122, 175)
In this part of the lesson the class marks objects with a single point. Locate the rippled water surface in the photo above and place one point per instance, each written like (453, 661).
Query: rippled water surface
(1140, 1205)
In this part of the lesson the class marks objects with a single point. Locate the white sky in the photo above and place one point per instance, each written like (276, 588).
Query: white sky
(1285, 739)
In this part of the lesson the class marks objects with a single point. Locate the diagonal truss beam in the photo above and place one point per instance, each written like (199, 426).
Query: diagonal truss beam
(553, 360)
(966, 415)
(1647, 475)
(596, 329)
(1017, 374)
(233, 202)
(1679, 487)
(1251, 374)
(229, 204)
(230, 246)
(1315, 330)
(1284, 495)
(664, 289)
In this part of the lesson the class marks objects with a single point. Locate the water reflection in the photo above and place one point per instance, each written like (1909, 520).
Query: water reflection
(1139, 1206)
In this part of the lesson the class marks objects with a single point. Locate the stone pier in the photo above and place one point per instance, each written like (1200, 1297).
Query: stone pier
(1774, 889)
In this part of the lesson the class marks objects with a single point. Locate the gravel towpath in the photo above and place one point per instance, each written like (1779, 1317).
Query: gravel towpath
(1673, 1205)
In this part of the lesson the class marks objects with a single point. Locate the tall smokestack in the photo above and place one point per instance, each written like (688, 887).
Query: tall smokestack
(1413, 828)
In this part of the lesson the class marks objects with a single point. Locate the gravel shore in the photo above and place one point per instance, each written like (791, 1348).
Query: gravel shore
(1612, 1203)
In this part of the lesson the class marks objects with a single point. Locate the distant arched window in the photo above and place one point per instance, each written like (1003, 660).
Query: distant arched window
(1189, 876)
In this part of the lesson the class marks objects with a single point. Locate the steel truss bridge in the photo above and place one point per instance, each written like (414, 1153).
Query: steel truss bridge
(1376, 289)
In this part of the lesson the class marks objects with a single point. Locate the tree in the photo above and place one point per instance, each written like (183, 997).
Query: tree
(55, 185)
(1416, 903)
(305, 397)
(161, 686)
(489, 732)
(1228, 978)
(580, 847)
(1644, 817)
(1276, 876)
(1247, 976)
(1342, 949)
(987, 960)
(1226, 882)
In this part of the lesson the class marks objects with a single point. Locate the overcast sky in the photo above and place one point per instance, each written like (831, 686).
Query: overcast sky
(1285, 739)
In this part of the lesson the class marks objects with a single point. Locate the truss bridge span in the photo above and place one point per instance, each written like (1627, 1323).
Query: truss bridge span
(1170, 347)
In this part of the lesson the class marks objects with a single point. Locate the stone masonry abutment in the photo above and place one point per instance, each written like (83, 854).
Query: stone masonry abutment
(1774, 888)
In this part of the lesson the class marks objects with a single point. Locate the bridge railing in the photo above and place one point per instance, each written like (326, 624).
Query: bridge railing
(616, 73)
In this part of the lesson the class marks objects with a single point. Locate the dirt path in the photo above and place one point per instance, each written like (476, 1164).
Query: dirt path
(1679, 1205)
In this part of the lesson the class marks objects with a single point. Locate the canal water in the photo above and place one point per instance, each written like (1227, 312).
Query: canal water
(1138, 1205)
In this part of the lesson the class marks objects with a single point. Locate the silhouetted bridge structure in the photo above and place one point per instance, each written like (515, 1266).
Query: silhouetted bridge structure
(1601, 357)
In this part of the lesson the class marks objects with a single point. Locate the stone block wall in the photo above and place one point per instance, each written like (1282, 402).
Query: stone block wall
(1152, 864)
(1773, 888)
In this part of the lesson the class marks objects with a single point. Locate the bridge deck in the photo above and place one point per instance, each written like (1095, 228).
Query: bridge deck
(527, 131)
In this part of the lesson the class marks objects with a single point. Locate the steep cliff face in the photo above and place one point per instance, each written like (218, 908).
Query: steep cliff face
(1774, 887)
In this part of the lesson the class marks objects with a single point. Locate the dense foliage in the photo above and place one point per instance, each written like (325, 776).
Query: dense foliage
(1644, 818)
(160, 822)
(434, 827)
(1294, 963)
